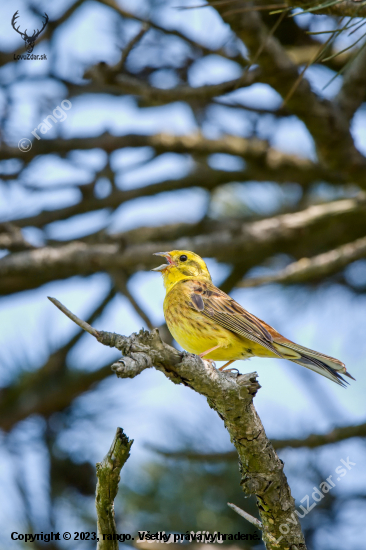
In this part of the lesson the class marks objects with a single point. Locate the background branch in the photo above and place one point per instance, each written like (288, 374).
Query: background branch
(53, 387)
(312, 441)
(309, 269)
(28, 269)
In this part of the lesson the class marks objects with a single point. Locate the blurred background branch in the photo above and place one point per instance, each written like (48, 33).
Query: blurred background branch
(219, 128)
(312, 441)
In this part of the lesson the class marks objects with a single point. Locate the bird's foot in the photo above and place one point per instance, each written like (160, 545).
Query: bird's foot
(226, 365)
(210, 362)
(231, 370)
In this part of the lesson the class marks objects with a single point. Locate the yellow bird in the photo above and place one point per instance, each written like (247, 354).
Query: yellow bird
(206, 321)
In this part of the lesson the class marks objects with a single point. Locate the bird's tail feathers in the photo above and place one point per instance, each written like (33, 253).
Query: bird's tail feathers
(315, 361)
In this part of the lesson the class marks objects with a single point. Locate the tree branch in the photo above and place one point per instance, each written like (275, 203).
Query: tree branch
(333, 139)
(250, 149)
(102, 76)
(232, 398)
(353, 91)
(173, 32)
(121, 285)
(82, 324)
(11, 238)
(53, 386)
(44, 392)
(132, 43)
(317, 440)
(245, 515)
(264, 163)
(230, 241)
(108, 474)
(312, 441)
(201, 177)
(347, 8)
(318, 267)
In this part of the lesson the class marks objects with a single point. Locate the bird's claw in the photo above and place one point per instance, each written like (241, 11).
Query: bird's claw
(210, 362)
(231, 370)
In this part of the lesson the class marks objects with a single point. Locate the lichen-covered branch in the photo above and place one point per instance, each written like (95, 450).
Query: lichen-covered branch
(231, 396)
(108, 474)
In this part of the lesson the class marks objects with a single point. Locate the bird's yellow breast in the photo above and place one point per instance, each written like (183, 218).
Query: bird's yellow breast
(197, 333)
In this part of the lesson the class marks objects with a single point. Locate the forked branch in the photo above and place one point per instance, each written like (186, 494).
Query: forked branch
(231, 396)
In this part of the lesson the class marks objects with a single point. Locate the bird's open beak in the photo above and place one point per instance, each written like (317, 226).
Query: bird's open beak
(163, 266)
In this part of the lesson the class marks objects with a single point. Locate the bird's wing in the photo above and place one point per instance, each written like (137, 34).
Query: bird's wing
(226, 312)
(218, 306)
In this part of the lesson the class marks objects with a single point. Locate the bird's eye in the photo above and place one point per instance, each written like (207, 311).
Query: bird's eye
(183, 258)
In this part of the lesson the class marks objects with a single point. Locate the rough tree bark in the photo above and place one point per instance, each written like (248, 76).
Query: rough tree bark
(231, 396)
(108, 474)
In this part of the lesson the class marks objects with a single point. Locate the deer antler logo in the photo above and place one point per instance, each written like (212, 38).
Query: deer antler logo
(29, 40)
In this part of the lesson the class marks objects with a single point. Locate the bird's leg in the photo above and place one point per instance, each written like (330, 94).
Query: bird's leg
(208, 351)
(227, 364)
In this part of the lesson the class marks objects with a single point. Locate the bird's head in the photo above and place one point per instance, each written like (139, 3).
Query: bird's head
(181, 264)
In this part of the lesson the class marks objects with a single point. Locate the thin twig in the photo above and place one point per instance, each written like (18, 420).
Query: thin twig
(83, 324)
(254, 8)
(173, 32)
(93, 316)
(132, 43)
(213, 4)
(259, 111)
(231, 12)
(245, 515)
(312, 60)
(264, 43)
(121, 285)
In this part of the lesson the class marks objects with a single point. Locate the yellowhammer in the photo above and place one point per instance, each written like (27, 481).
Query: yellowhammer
(206, 321)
